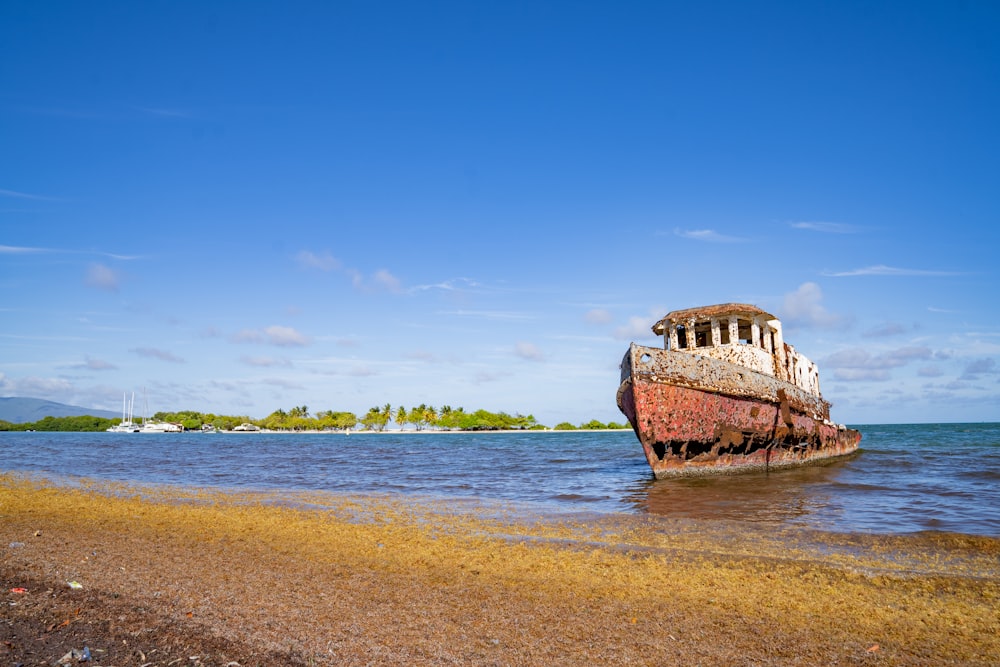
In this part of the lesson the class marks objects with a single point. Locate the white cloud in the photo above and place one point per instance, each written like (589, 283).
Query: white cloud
(861, 374)
(102, 277)
(804, 308)
(858, 364)
(528, 351)
(451, 285)
(154, 353)
(35, 386)
(381, 280)
(597, 316)
(169, 113)
(96, 365)
(264, 362)
(883, 270)
(284, 383)
(285, 336)
(707, 235)
(825, 227)
(21, 195)
(386, 280)
(979, 367)
(273, 335)
(323, 262)
(637, 327)
(20, 250)
(248, 336)
(489, 314)
(885, 330)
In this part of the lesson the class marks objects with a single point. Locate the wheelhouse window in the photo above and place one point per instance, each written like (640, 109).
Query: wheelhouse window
(724, 332)
(703, 334)
(745, 331)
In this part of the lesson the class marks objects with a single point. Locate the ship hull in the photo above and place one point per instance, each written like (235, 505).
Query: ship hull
(693, 419)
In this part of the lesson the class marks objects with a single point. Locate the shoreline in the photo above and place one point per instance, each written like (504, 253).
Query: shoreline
(309, 578)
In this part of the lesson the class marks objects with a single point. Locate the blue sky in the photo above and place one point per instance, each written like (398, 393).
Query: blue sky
(249, 206)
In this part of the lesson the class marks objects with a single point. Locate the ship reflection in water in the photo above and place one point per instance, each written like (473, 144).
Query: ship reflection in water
(805, 496)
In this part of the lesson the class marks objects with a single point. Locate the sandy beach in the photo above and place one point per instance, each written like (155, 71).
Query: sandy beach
(157, 576)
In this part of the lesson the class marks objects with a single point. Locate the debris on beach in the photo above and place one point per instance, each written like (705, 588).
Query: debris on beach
(75, 656)
(75, 585)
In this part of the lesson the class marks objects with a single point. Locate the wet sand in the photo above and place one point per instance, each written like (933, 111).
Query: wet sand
(184, 577)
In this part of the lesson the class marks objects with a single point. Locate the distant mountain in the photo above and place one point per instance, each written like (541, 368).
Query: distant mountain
(23, 410)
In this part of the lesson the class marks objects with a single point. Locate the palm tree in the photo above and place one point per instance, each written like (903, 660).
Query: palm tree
(430, 415)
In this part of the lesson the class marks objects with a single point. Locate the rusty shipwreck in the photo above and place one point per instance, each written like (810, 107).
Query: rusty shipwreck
(726, 394)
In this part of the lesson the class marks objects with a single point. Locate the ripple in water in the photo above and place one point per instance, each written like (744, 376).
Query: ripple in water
(906, 478)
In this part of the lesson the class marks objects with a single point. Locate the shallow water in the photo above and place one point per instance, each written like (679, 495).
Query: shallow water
(906, 478)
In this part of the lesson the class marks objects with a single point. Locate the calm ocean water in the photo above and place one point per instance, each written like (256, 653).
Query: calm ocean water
(906, 478)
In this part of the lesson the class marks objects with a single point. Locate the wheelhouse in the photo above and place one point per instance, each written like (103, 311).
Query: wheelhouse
(741, 334)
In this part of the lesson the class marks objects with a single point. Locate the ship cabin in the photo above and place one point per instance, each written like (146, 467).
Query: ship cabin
(741, 334)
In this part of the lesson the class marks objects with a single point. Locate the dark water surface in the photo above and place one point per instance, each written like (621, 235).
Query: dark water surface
(906, 478)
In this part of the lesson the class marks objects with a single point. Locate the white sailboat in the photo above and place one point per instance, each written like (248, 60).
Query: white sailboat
(127, 426)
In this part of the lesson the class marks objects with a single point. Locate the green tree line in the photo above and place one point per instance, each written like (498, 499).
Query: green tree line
(298, 418)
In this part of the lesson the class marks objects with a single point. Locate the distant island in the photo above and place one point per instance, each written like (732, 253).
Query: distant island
(297, 419)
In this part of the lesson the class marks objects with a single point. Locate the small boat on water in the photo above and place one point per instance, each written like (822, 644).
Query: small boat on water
(126, 425)
(155, 425)
(726, 394)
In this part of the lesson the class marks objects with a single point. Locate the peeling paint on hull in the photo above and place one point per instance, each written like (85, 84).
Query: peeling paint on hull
(696, 417)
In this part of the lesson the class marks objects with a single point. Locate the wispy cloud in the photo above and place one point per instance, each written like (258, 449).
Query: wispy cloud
(804, 308)
(976, 368)
(707, 236)
(528, 351)
(860, 364)
(284, 383)
(20, 250)
(285, 336)
(264, 362)
(883, 270)
(597, 316)
(637, 327)
(826, 227)
(380, 281)
(323, 261)
(154, 353)
(385, 280)
(168, 113)
(95, 365)
(451, 285)
(102, 277)
(26, 250)
(885, 330)
(489, 314)
(34, 386)
(23, 195)
(280, 336)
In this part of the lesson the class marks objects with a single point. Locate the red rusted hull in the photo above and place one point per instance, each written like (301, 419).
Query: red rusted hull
(686, 430)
